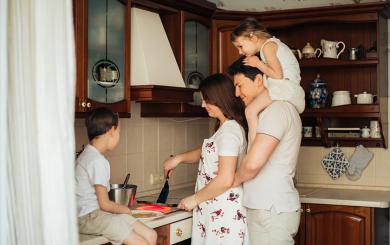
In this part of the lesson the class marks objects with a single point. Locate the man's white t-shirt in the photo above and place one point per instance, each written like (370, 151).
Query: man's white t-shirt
(92, 168)
(273, 186)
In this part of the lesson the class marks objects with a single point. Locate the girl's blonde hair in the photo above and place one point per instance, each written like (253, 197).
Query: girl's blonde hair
(248, 28)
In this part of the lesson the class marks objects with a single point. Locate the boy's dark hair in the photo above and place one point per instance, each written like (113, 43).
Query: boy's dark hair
(99, 121)
(238, 67)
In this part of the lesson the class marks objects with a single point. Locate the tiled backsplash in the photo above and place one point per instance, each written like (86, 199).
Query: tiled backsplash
(144, 145)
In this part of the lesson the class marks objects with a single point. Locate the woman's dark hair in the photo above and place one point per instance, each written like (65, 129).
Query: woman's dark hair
(219, 90)
(99, 121)
(248, 27)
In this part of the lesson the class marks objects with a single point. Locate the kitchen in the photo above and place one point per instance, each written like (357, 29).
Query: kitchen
(146, 140)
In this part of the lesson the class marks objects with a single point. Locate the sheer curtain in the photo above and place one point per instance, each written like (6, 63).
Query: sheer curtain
(38, 128)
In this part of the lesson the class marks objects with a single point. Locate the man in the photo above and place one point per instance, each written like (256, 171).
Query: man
(268, 169)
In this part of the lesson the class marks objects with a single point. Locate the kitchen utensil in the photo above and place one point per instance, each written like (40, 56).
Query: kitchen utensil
(162, 198)
(307, 131)
(335, 163)
(358, 162)
(353, 53)
(155, 203)
(329, 48)
(365, 132)
(309, 52)
(124, 196)
(365, 98)
(146, 214)
(341, 97)
(375, 130)
(126, 180)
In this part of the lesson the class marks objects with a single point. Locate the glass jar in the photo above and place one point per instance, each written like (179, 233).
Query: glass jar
(318, 93)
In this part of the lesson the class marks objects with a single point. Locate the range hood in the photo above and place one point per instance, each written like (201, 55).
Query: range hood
(152, 58)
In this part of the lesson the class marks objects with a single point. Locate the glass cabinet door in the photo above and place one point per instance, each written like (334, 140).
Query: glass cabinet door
(106, 51)
(196, 53)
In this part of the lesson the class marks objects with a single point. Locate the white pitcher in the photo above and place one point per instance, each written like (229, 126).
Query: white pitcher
(329, 48)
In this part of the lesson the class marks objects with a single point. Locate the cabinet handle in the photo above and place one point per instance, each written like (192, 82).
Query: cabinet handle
(308, 210)
(83, 104)
(89, 104)
(179, 232)
(301, 210)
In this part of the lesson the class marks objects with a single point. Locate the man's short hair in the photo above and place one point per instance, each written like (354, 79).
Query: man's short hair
(238, 67)
(99, 121)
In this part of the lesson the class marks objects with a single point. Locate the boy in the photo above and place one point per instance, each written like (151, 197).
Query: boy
(98, 215)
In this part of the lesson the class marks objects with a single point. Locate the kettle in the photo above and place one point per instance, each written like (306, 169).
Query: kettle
(309, 52)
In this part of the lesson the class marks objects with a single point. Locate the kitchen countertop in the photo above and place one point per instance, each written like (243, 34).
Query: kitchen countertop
(363, 198)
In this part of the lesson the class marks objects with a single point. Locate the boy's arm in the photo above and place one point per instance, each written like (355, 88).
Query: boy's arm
(106, 204)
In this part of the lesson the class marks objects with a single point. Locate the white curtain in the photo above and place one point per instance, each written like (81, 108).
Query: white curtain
(39, 127)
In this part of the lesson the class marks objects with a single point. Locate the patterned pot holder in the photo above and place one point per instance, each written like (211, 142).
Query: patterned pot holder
(335, 163)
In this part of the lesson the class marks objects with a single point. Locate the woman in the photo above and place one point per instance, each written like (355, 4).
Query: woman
(218, 214)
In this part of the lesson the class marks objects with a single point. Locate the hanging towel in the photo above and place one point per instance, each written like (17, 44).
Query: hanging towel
(335, 163)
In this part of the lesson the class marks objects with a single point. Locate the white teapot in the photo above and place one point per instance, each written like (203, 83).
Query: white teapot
(329, 48)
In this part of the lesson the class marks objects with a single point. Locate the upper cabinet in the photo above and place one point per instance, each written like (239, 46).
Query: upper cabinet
(187, 27)
(102, 34)
(360, 67)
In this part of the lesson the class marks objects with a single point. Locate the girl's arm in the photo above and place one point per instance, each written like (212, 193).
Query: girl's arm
(186, 157)
(273, 67)
(218, 185)
(106, 204)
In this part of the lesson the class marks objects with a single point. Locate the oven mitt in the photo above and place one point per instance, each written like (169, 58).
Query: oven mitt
(335, 163)
(358, 162)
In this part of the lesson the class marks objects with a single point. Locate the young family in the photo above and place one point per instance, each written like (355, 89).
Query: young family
(244, 193)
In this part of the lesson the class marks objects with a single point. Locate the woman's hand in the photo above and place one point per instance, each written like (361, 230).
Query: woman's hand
(253, 61)
(188, 203)
(170, 164)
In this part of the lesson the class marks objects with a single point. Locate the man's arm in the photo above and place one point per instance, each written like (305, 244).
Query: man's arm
(261, 149)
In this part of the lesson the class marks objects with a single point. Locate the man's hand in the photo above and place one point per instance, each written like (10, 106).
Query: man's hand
(188, 203)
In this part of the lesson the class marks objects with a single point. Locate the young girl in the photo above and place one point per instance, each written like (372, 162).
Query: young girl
(97, 215)
(276, 61)
(218, 214)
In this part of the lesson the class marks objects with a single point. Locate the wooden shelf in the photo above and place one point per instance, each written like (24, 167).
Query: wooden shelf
(312, 141)
(348, 142)
(327, 62)
(172, 110)
(163, 94)
(368, 111)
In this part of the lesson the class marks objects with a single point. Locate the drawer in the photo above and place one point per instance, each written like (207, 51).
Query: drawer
(180, 230)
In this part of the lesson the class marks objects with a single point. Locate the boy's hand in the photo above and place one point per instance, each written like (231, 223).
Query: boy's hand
(170, 164)
(188, 203)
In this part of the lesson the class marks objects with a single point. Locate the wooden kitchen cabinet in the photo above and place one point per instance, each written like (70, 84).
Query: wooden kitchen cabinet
(337, 225)
(175, 233)
(102, 43)
(362, 25)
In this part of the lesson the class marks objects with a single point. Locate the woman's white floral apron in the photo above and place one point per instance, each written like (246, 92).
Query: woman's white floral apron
(221, 220)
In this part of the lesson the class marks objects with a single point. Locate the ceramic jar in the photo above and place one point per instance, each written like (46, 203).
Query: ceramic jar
(318, 93)
(364, 98)
(341, 97)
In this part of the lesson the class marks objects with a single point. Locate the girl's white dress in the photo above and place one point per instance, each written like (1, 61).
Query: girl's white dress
(221, 220)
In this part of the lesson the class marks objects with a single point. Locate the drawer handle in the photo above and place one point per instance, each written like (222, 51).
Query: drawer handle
(308, 210)
(179, 232)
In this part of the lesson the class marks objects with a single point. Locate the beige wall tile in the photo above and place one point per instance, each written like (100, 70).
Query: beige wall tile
(165, 135)
(118, 168)
(135, 137)
(179, 138)
(150, 167)
(135, 166)
(150, 129)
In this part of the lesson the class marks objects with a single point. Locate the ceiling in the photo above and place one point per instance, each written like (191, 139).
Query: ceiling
(267, 5)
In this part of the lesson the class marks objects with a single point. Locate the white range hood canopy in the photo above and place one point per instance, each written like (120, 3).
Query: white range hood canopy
(152, 58)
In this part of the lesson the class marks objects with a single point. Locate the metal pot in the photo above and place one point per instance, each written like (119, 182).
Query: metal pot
(124, 196)
(365, 98)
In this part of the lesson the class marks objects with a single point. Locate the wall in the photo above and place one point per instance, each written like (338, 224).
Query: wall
(145, 143)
